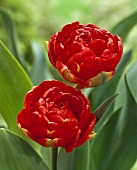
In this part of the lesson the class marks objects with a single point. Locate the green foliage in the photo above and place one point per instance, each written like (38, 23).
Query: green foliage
(118, 135)
(131, 75)
(78, 159)
(17, 154)
(32, 19)
(123, 27)
(14, 83)
(46, 154)
(3, 124)
(39, 69)
(11, 35)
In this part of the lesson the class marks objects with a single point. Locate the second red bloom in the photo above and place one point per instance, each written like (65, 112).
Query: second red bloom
(56, 114)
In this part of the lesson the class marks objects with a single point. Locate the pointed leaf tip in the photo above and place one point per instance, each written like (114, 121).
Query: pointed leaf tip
(101, 110)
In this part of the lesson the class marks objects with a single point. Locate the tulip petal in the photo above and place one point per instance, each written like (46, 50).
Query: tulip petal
(66, 73)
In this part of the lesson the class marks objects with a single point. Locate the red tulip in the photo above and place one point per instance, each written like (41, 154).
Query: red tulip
(85, 54)
(56, 115)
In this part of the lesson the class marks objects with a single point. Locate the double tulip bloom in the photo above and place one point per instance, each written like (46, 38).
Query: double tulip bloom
(56, 114)
(85, 54)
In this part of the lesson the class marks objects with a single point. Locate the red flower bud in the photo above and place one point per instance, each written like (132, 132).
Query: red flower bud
(85, 54)
(56, 114)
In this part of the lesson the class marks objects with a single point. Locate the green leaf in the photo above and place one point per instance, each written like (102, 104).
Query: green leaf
(17, 154)
(76, 160)
(125, 60)
(46, 155)
(115, 145)
(121, 99)
(134, 166)
(123, 27)
(132, 83)
(14, 83)
(132, 80)
(39, 70)
(100, 111)
(3, 124)
(12, 36)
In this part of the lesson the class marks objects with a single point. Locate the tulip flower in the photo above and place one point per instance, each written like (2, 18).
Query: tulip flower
(85, 54)
(56, 115)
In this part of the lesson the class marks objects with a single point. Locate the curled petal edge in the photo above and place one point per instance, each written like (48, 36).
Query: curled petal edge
(25, 131)
(67, 74)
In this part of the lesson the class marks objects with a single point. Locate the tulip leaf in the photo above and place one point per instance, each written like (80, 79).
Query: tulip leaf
(3, 124)
(101, 110)
(46, 155)
(17, 154)
(121, 99)
(14, 83)
(134, 167)
(132, 80)
(11, 35)
(125, 60)
(39, 71)
(77, 159)
(116, 142)
(123, 27)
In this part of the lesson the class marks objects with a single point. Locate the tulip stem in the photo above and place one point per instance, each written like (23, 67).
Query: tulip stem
(54, 158)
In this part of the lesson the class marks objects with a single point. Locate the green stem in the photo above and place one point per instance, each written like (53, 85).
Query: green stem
(54, 158)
